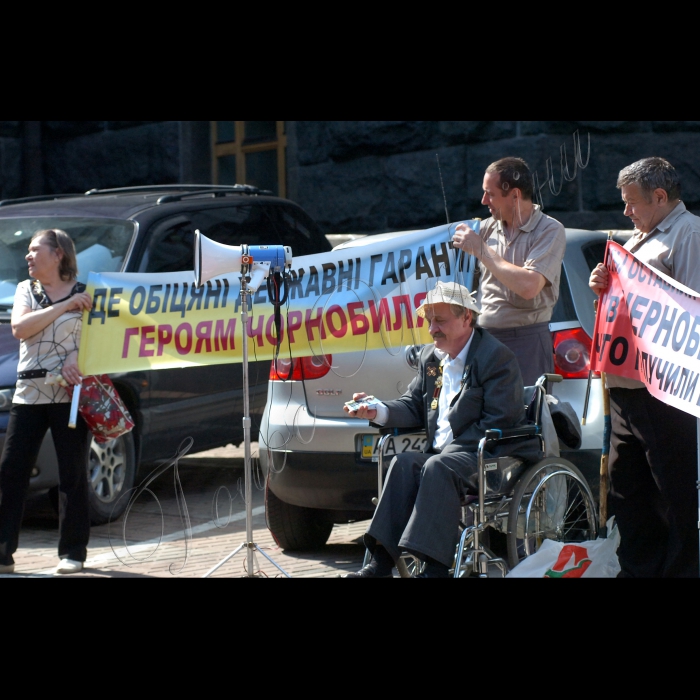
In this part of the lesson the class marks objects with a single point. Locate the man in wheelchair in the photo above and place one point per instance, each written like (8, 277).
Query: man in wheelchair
(467, 382)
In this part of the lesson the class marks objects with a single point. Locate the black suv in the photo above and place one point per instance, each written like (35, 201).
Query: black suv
(149, 229)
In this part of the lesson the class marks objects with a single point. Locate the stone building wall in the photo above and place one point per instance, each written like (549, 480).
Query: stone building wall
(374, 176)
(360, 176)
(10, 159)
(81, 155)
(56, 157)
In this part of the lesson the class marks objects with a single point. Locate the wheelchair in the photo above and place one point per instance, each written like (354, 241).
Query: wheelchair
(527, 503)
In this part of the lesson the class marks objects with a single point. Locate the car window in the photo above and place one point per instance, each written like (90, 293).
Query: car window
(100, 245)
(594, 253)
(169, 246)
(564, 309)
(298, 230)
(170, 242)
(245, 225)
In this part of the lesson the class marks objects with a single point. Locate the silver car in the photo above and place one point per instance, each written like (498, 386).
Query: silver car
(320, 465)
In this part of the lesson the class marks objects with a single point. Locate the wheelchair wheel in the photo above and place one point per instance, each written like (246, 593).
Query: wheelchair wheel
(551, 501)
(409, 566)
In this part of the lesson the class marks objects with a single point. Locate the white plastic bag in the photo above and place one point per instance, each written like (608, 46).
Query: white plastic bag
(591, 559)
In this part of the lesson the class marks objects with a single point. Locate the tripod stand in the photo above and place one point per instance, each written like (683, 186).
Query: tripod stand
(250, 546)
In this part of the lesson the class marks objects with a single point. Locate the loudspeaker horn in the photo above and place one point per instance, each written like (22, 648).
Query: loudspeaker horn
(212, 259)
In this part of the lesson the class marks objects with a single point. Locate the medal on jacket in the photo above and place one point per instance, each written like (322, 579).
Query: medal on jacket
(465, 377)
(438, 388)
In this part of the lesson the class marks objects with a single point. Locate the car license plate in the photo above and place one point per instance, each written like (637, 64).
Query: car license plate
(393, 446)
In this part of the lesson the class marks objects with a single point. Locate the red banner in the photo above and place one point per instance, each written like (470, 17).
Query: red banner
(648, 328)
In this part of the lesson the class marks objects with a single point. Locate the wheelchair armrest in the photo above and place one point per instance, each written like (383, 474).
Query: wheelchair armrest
(551, 378)
(494, 436)
(401, 431)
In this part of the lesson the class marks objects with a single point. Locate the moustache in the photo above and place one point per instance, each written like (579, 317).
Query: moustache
(438, 335)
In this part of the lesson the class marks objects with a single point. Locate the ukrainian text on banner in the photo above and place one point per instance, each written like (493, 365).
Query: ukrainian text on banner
(648, 328)
(356, 298)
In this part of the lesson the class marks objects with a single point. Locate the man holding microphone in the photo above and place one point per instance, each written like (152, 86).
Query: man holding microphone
(520, 250)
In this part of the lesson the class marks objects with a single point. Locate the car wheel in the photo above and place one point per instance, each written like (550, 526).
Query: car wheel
(111, 473)
(293, 527)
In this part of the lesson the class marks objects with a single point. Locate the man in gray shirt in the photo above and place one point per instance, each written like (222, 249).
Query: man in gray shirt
(653, 446)
(520, 250)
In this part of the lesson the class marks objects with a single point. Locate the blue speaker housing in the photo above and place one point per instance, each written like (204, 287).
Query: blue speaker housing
(276, 255)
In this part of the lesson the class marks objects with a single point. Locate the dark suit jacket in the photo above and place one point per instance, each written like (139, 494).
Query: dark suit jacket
(492, 396)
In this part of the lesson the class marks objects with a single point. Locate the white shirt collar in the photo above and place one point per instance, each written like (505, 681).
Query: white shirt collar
(461, 356)
(453, 376)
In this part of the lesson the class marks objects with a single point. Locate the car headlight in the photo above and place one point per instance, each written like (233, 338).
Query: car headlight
(6, 398)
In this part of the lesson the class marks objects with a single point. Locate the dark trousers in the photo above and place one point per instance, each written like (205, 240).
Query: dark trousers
(532, 346)
(419, 508)
(26, 429)
(653, 494)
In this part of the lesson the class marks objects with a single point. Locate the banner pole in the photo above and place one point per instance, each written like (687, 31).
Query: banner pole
(603, 492)
(590, 370)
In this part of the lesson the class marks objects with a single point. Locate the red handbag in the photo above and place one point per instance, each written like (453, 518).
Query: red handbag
(102, 408)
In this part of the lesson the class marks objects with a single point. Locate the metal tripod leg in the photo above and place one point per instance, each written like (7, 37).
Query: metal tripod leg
(251, 546)
(248, 544)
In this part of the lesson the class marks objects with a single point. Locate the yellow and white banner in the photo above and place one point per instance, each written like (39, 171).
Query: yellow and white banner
(355, 298)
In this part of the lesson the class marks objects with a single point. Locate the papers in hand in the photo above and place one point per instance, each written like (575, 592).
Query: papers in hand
(367, 401)
(74, 405)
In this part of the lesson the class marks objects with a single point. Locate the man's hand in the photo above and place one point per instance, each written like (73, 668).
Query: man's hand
(525, 283)
(599, 279)
(363, 411)
(467, 240)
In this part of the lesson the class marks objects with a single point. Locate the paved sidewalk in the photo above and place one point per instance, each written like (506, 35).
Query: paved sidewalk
(154, 541)
(176, 557)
